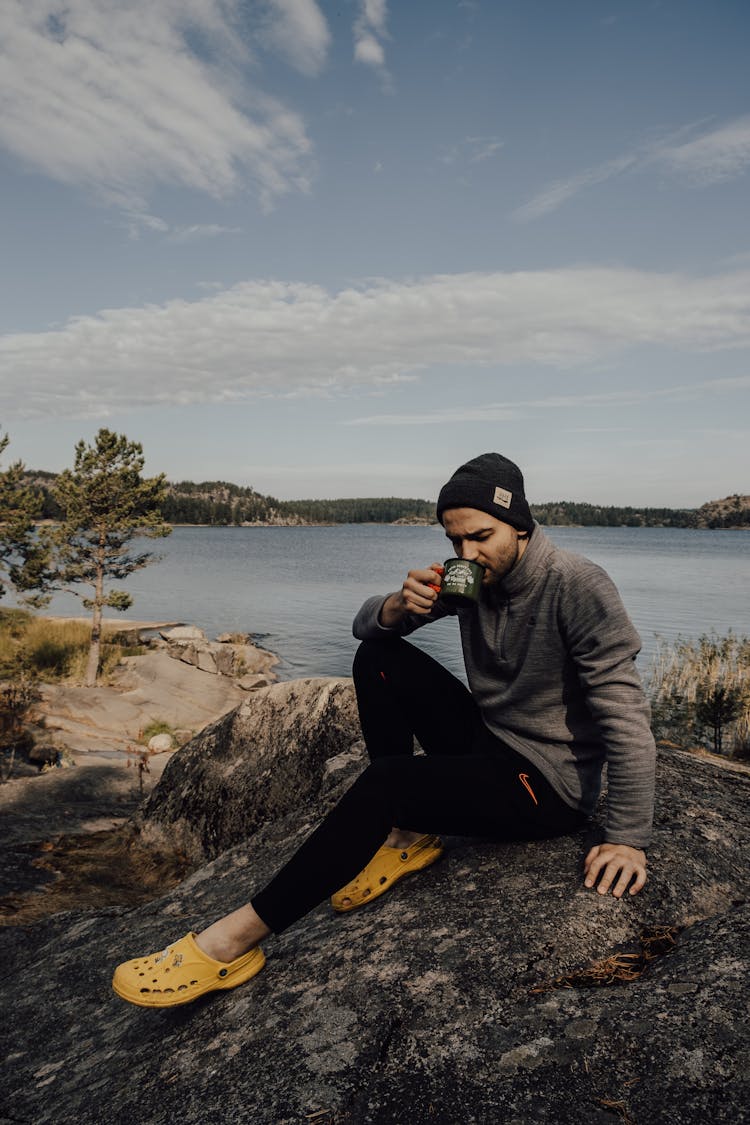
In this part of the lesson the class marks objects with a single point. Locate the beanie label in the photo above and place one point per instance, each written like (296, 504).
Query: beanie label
(502, 497)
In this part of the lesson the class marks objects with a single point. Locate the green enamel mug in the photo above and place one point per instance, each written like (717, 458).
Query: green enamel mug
(462, 582)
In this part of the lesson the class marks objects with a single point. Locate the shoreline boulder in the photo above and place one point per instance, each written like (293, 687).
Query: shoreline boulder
(231, 655)
(255, 764)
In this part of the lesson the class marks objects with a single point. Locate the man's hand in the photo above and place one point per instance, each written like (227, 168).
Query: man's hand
(615, 863)
(417, 595)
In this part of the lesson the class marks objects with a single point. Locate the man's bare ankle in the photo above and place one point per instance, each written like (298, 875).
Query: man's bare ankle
(400, 838)
(232, 936)
(223, 951)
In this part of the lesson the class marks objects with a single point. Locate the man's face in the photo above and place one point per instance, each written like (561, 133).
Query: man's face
(481, 538)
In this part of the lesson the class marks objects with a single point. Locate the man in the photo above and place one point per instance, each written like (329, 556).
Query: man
(554, 695)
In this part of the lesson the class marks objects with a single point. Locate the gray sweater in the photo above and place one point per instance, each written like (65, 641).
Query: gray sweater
(550, 659)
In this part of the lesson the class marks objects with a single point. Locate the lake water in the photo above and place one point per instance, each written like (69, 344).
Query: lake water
(297, 588)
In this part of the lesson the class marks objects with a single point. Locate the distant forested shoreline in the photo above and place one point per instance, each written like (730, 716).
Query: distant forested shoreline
(223, 504)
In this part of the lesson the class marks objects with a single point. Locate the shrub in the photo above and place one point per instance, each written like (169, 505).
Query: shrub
(50, 655)
(158, 726)
(16, 698)
(700, 693)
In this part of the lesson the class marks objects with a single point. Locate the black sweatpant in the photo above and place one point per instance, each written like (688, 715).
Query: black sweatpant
(467, 783)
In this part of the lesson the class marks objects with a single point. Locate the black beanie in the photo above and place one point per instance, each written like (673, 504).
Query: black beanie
(490, 483)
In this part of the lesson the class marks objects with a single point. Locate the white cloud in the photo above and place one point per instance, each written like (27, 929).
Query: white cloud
(369, 32)
(506, 412)
(451, 415)
(276, 338)
(720, 154)
(374, 13)
(200, 230)
(474, 150)
(558, 192)
(117, 98)
(482, 148)
(139, 221)
(367, 50)
(296, 29)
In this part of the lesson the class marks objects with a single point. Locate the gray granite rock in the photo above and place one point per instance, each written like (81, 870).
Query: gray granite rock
(183, 634)
(160, 743)
(439, 1004)
(224, 658)
(255, 764)
(254, 681)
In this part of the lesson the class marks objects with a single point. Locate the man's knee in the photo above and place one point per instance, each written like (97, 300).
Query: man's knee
(377, 657)
(376, 788)
(381, 776)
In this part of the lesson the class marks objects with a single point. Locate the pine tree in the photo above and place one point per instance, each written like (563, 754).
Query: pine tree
(22, 553)
(106, 503)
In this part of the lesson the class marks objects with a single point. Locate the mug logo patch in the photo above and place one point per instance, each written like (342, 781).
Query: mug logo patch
(502, 497)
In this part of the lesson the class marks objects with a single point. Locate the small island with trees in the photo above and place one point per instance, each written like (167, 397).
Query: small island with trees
(223, 504)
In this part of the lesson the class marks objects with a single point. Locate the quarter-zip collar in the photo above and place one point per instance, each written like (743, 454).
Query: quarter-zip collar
(528, 568)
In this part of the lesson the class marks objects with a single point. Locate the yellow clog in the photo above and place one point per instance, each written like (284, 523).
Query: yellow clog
(180, 973)
(386, 867)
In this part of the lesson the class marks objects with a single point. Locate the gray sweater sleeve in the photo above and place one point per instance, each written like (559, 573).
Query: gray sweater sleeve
(603, 644)
(367, 627)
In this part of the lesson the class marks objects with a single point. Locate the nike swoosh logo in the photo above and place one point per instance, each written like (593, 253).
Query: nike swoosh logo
(524, 779)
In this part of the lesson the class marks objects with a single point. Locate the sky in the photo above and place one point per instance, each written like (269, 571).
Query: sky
(336, 249)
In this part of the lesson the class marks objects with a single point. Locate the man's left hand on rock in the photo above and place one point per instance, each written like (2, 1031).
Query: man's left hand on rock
(617, 866)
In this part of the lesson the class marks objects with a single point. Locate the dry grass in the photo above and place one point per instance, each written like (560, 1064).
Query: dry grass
(700, 693)
(618, 968)
(52, 650)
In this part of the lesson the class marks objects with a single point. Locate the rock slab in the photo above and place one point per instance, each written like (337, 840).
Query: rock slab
(439, 1003)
